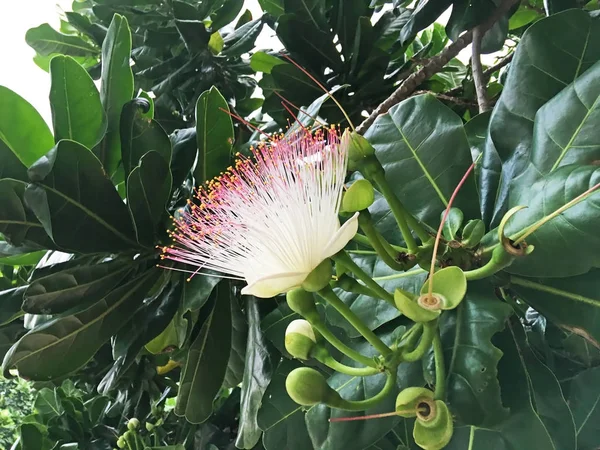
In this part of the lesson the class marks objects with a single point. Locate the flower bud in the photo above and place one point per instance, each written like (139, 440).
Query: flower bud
(319, 277)
(133, 424)
(358, 148)
(434, 431)
(410, 399)
(449, 288)
(308, 387)
(472, 233)
(407, 305)
(300, 339)
(121, 442)
(302, 302)
(360, 195)
(150, 426)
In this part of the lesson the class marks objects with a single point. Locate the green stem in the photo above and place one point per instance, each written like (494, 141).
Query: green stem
(325, 358)
(550, 290)
(440, 368)
(500, 260)
(345, 260)
(331, 298)
(364, 240)
(362, 405)
(349, 284)
(424, 343)
(376, 240)
(343, 348)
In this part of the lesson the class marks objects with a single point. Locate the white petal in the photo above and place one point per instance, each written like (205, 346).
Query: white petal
(272, 285)
(339, 240)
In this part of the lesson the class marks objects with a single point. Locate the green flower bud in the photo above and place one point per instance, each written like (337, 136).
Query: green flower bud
(149, 426)
(302, 302)
(319, 277)
(300, 339)
(308, 387)
(358, 148)
(121, 442)
(449, 288)
(434, 430)
(411, 400)
(360, 195)
(407, 305)
(472, 233)
(133, 424)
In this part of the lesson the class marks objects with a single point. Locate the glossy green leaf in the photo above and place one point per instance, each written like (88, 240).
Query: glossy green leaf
(47, 41)
(263, 62)
(47, 403)
(24, 135)
(226, 13)
(184, 147)
(551, 54)
(275, 323)
(571, 303)
(197, 291)
(140, 135)
(239, 336)
(148, 191)
(23, 259)
(33, 436)
(569, 244)
(584, 401)
(79, 287)
(206, 363)
(345, 18)
(10, 304)
(214, 134)
(472, 359)
(273, 7)
(77, 112)
(258, 370)
(64, 344)
(242, 39)
(410, 142)
(82, 23)
(308, 11)
(116, 88)
(83, 212)
(423, 16)
(524, 16)
(17, 222)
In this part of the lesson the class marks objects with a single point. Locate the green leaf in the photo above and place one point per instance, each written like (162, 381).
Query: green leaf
(79, 286)
(472, 359)
(239, 337)
(555, 6)
(116, 88)
(33, 436)
(148, 191)
(207, 360)
(47, 403)
(17, 223)
(258, 371)
(47, 41)
(83, 24)
(345, 20)
(242, 39)
(24, 135)
(423, 16)
(280, 417)
(584, 401)
(409, 142)
(275, 323)
(64, 344)
(23, 259)
(10, 304)
(214, 135)
(362, 305)
(77, 112)
(140, 135)
(197, 291)
(524, 16)
(226, 13)
(273, 7)
(551, 54)
(77, 204)
(263, 62)
(184, 147)
(572, 303)
(568, 244)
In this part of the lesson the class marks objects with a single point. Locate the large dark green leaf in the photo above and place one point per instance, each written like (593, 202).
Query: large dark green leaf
(551, 54)
(242, 39)
(308, 11)
(280, 418)
(24, 135)
(78, 286)
(82, 23)
(569, 244)
(77, 204)
(17, 223)
(184, 147)
(77, 112)
(239, 337)
(116, 88)
(9, 334)
(472, 359)
(275, 323)
(424, 15)
(207, 359)
(10, 304)
(422, 145)
(214, 134)
(148, 189)
(226, 13)
(63, 345)
(47, 41)
(572, 303)
(345, 18)
(584, 401)
(273, 7)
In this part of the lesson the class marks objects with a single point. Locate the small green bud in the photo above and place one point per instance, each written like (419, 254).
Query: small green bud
(407, 304)
(449, 288)
(302, 302)
(409, 400)
(308, 387)
(133, 424)
(149, 426)
(472, 233)
(359, 196)
(319, 277)
(300, 339)
(358, 148)
(121, 442)
(434, 430)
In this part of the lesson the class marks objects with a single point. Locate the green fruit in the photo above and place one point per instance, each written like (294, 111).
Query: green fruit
(407, 305)
(409, 399)
(435, 431)
(308, 387)
(121, 442)
(449, 285)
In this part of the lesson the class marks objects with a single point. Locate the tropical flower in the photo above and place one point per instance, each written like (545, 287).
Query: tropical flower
(272, 219)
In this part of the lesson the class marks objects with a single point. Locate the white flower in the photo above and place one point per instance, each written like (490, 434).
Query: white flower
(270, 221)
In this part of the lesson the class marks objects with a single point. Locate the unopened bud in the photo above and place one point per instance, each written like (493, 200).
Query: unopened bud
(302, 302)
(133, 424)
(319, 277)
(308, 387)
(300, 339)
(359, 196)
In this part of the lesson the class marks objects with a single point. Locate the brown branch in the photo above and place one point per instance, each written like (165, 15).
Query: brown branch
(487, 73)
(478, 77)
(448, 98)
(432, 67)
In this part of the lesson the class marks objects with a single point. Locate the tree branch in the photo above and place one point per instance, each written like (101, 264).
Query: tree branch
(487, 73)
(478, 77)
(432, 67)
